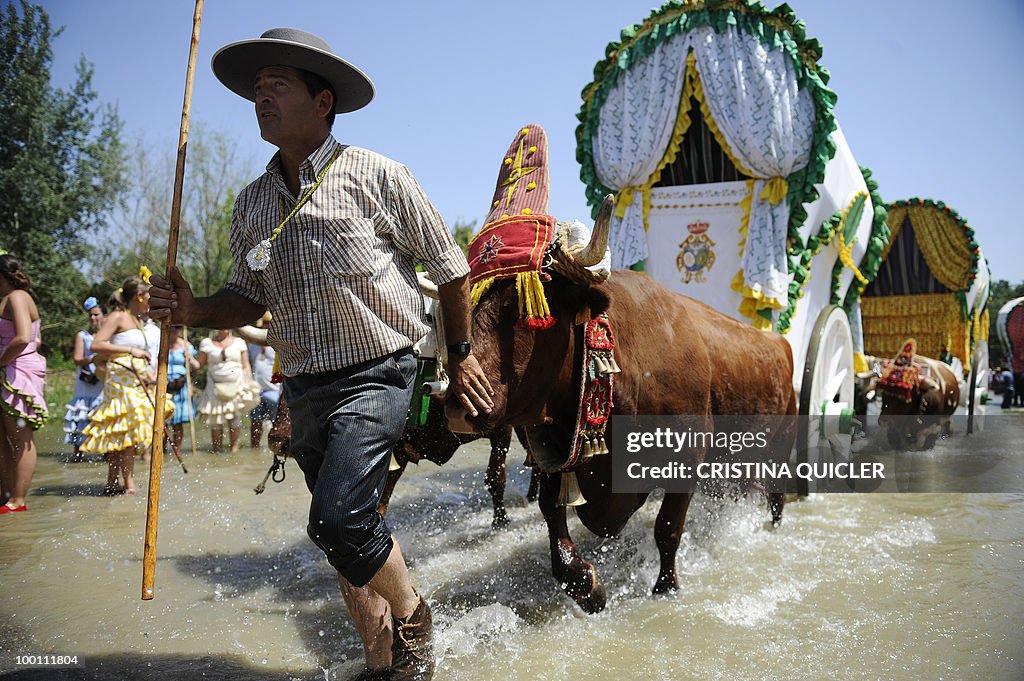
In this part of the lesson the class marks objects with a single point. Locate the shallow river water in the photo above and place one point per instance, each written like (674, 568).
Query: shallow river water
(851, 586)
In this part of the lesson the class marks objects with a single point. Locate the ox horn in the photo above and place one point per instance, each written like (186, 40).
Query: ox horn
(594, 251)
(427, 287)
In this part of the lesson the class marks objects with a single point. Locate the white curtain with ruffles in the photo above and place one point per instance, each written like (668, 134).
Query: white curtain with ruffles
(635, 128)
(768, 123)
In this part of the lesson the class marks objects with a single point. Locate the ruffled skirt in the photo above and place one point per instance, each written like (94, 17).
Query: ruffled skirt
(76, 416)
(218, 412)
(22, 389)
(124, 418)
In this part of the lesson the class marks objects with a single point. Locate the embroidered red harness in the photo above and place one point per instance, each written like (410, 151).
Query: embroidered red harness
(597, 377)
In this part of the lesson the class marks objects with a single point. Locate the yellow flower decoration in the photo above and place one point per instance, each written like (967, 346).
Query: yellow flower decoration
(508, 161)
(531, 186)
(524, 131)
(145, 273)
(527, 211)
(533, 149)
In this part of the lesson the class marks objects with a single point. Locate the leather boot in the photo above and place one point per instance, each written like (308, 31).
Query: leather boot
(412, 655)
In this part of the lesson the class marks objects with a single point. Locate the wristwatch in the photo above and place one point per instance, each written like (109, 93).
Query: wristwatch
(460, 349)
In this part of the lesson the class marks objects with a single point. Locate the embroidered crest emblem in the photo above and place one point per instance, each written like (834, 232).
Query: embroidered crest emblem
(695, 254)
(489, 251)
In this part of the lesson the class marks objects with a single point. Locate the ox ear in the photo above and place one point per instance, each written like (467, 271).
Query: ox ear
(427, 287)
(571, 297)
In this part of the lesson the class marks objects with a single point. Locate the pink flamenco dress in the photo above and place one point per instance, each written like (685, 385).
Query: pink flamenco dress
(124, 418)
(23, 380)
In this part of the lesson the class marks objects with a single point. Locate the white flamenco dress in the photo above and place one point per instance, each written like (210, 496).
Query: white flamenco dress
(229, 393)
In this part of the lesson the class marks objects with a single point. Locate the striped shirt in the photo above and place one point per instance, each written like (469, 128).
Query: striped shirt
(341, 284)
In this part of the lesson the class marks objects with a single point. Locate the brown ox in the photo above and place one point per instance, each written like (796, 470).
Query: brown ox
(916, 424)
(433, 442)
(677, 356)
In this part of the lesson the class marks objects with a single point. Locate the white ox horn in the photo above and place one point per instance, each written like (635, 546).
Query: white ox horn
(427, 287)
(577, 262)
(594, 251)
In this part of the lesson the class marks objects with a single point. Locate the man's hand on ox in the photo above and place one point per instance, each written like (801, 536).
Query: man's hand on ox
(470, 385)
(171, 298)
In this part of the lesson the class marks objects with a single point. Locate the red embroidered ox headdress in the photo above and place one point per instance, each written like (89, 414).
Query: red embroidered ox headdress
(518, 231)
(900, 376)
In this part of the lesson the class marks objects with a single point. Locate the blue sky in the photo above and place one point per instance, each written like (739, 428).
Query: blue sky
(930, 92)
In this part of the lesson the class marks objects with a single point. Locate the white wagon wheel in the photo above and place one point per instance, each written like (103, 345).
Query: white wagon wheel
(826, 388)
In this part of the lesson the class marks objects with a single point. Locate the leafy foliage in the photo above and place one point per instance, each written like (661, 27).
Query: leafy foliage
(61, 166)
(463, 233)
(138, 233)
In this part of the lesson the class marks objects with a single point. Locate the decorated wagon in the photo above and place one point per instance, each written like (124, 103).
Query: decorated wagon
(1010, 328)
(713, 125)
(932, 285)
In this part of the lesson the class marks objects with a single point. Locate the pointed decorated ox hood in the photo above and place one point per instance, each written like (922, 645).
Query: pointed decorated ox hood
(518, 229)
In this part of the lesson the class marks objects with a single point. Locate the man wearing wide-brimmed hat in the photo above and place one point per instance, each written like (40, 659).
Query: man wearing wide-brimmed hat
(326, 240)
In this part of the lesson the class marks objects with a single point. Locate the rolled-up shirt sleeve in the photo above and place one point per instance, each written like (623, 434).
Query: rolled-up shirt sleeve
(420, 230)
(243, 280)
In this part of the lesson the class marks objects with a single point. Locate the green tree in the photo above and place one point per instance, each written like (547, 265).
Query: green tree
(463, 233)
(138, 234)
(61, 166)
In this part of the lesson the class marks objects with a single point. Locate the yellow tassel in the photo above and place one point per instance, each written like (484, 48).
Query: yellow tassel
(530, 290)
(479, 289)
(569, 493)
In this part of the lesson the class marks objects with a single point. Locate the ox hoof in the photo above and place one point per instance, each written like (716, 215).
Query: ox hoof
(501, 521)
(665, 585)
(596, 600)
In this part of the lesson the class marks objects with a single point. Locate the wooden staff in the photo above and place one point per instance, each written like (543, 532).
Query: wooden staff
(188, 393)
(156, 461)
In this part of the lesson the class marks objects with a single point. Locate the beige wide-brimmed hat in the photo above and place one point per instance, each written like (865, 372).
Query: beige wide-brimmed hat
(236, 65)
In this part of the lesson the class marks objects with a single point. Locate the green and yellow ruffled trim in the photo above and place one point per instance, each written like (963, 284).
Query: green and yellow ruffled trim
(800, 259)
(34, 422)
(947, 242)
(776, 29)
(953, 256)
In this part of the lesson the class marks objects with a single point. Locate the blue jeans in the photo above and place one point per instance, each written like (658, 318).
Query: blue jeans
(344, 425)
